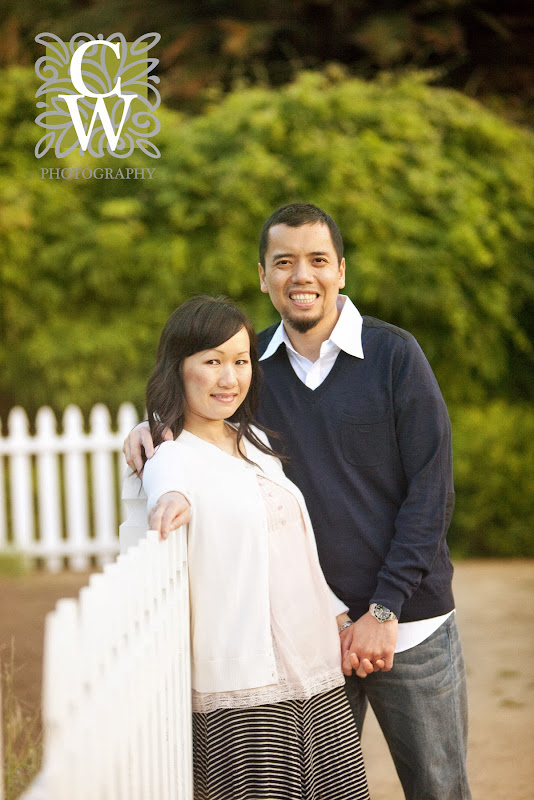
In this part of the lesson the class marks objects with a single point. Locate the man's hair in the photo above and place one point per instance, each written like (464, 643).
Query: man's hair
(295, 215)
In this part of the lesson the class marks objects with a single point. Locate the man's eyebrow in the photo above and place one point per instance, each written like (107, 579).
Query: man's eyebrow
(313, 253)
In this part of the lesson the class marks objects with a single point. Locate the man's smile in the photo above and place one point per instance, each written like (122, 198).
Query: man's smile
(303, 299)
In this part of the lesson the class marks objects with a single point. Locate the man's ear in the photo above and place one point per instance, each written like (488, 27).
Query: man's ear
(342, 273)
(263, 284)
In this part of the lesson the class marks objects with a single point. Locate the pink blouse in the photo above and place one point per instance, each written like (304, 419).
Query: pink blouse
(303, 625)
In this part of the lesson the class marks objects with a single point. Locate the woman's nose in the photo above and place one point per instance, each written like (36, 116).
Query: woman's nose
(227, 376)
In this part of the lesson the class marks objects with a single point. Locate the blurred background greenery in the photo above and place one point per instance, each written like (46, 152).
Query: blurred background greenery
(409, 122)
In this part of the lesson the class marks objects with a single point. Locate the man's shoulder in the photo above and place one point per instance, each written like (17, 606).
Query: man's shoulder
(371, 323)
(265, 336)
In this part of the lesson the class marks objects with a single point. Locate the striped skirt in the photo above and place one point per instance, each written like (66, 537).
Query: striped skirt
(293, 750)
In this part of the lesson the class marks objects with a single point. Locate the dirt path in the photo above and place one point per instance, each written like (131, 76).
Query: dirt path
(499, 655)
(491, 598)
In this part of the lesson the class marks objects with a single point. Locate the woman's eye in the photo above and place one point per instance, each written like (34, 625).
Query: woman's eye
(241, 361)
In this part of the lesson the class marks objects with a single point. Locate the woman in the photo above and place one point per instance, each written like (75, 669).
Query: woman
(270, 717)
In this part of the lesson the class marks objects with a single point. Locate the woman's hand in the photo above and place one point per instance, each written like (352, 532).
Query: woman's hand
(170, 512)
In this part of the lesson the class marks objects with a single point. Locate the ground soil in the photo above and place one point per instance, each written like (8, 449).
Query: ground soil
(495, 602)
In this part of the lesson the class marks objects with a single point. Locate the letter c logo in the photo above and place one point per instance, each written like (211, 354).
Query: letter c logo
(76, 69)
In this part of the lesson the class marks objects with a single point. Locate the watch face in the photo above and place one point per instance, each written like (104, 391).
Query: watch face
(381, 612)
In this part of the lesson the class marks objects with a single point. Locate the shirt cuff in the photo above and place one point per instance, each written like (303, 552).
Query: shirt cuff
(338, 605)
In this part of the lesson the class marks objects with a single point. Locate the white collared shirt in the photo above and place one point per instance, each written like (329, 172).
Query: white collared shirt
(346, 336)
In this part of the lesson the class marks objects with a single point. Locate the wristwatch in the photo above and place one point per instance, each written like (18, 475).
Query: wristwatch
(381, 613)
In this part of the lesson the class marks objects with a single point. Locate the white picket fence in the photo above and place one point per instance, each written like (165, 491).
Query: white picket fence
(116, 670)
(60, 492)
(116, 682)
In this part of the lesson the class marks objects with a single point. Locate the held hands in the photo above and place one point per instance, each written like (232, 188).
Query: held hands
(170, 512)
(137, 438)
(368, 646)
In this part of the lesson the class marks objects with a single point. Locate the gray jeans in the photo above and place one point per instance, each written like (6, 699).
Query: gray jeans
(421, 706)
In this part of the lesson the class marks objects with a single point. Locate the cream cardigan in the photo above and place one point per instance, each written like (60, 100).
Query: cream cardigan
(227, 556)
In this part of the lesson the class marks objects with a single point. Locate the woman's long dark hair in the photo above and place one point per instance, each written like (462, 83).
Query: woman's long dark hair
(201, 323)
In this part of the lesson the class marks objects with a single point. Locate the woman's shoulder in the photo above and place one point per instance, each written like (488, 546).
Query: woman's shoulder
(261, 435)
(180, 449)
(265, 460)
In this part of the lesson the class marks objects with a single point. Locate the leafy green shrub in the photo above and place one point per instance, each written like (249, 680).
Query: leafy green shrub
(434, 196)
(494, 476)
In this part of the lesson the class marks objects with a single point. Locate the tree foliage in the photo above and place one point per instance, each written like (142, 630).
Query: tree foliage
(433, 194)
(480, 46)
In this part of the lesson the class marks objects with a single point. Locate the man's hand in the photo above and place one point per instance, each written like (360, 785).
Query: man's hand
(170, 512)
(140, 437)
(368, 646)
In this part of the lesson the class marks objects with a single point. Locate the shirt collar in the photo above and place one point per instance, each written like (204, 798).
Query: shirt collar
(347, 334)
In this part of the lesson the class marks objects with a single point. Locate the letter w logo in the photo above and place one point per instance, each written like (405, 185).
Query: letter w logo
(100, 106)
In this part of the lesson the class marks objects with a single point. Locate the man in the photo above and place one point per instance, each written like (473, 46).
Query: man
(368, 439)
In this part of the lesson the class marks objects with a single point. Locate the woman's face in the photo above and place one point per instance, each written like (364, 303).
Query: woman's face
(217, 381)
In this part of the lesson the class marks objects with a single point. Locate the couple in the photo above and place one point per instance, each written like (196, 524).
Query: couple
(366, 438)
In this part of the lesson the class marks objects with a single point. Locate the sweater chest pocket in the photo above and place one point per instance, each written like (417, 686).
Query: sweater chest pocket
(365, 443)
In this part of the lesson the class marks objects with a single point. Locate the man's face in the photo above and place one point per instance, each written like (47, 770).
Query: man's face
(302, 276)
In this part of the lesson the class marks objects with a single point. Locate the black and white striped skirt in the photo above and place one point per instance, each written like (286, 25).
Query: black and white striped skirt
(293, 750)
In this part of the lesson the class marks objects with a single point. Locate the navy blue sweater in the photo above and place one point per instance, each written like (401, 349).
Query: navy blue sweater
(370, 449)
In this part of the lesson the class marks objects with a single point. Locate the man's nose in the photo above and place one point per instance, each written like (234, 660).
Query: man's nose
(302, 272)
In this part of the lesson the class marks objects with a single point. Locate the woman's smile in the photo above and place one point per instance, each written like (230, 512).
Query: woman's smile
(224, 398)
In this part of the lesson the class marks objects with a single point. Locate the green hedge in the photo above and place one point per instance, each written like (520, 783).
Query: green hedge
(435, 198)
(433, 193)
(494, 477)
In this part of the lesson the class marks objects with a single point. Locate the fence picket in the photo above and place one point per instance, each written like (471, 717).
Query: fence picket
(21, 480)
(76, 504)
(48, 488)
(3, 517)
(102, 475)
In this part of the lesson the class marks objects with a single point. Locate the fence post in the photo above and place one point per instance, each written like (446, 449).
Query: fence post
(61, 671)
(21, 481)
(102, 476)
(48, 488)
(3, 520)
(75, 471)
